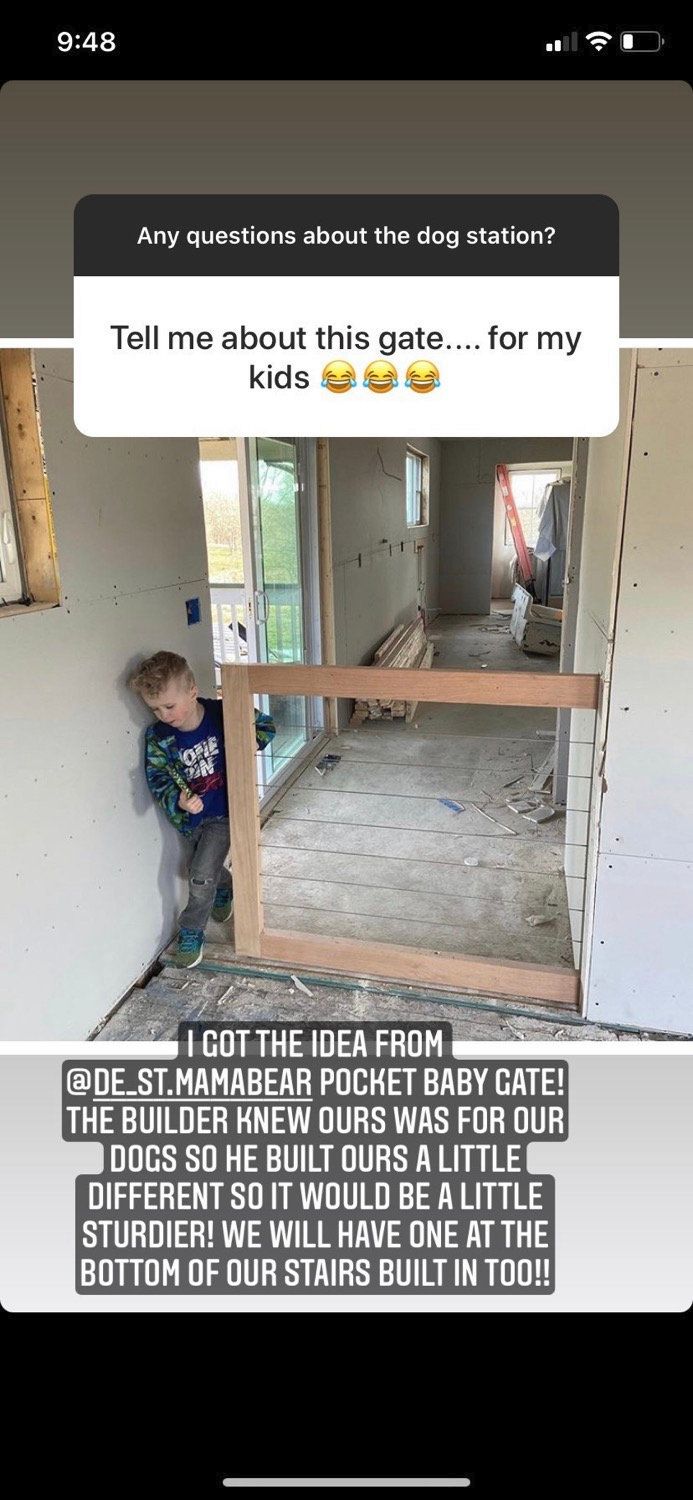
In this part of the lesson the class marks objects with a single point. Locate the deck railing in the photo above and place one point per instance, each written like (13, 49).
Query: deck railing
(280, 611)
(228, 610)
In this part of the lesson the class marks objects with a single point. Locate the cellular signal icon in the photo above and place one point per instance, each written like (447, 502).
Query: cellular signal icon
(564, 44)
(598, 39)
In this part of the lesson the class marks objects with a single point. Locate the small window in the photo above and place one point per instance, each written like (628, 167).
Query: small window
(417, 488)
(529, 487)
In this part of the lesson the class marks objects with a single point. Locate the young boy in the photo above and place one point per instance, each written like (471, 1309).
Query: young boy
(186, 772)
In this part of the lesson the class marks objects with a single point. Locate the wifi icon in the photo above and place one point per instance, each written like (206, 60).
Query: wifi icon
(598, 39)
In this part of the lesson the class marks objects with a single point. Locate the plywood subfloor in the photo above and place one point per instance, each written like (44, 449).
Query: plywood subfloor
(370, 851)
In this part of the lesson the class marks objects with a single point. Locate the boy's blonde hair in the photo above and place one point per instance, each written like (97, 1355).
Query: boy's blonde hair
(153, 674)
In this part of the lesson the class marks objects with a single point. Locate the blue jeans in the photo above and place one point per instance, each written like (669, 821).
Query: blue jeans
(210, 846)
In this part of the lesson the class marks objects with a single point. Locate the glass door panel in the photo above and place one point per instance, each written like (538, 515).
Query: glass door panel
(277, 605)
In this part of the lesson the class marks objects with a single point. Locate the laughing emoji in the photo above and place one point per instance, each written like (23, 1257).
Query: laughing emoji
(338, 376)
(380, 375)
(422, 376)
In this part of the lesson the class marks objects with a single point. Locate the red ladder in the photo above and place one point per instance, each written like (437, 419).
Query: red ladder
(517, 533)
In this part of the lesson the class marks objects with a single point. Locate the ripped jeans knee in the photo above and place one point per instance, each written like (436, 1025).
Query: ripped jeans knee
(201, 893)
(210, 847)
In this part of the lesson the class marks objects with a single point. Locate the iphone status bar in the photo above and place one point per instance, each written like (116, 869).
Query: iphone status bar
(543, 51)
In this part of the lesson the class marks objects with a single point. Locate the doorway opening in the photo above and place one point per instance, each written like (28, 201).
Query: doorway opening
(260, 511)
(437, 826)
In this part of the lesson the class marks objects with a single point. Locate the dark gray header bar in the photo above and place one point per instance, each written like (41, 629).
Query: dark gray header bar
(346, 235)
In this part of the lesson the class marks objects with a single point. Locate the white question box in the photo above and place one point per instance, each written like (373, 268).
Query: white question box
(467, 355)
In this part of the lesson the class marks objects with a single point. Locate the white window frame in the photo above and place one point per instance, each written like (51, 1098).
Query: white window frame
(11, 581)
(423, 492)
(565, 471)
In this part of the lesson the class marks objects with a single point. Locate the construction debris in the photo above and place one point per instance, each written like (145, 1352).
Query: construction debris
(497, 821)
(534, 627)
(542, 919)
(327, 763)
(540, 814)
(301, 986)
(405, 647)
(544, 773)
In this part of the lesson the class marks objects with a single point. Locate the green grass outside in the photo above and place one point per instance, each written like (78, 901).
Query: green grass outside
(225, 564)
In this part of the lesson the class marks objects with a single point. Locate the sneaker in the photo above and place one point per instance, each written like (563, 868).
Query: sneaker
(222, 909)
(189, 950)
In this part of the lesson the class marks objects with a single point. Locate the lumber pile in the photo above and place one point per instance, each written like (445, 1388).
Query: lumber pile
(406, 646)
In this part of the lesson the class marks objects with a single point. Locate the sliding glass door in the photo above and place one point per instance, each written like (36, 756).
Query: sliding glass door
(281, 607)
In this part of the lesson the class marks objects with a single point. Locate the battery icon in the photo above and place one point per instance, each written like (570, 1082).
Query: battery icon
(640, 41)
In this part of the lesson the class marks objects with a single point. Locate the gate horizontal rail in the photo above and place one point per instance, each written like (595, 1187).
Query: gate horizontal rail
(516, 689)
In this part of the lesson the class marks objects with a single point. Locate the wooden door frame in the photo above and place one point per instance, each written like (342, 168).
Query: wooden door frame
(497, 977)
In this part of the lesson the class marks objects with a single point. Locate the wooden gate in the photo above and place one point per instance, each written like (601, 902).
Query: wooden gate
(418, 966)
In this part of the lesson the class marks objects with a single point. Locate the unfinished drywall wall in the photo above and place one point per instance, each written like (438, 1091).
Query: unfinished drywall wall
(641, 959)
(377, 569)
(474, 559)
(594, 574)
(89, 865)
